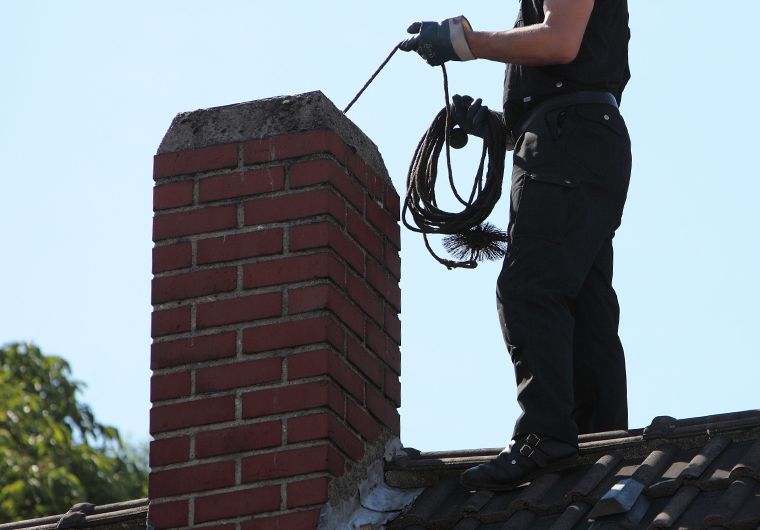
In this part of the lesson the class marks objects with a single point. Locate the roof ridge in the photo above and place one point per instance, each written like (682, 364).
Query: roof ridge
(117, 511)
(421, 468)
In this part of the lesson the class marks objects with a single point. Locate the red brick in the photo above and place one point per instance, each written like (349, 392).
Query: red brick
(307, 492)
(383, 409)
(235, 310)
(241, 184)
(298, 205)
(382, 346)
(393, 356)
(293, 145)
(173, 195)
(169, 451)
(293, 398)
(191, 414)
(169, 386)
(291, 521)
(367, 238)
(392, 202)
(326, 234)
(168, 514)
(190, 479)
(194, 160)
(198, 221)
(367, 363)
(384, 223)
(392, 387)
(361, 421)
(294, 269)
(193, 284)
(393, 261)
(392, 325)
(237, 503)
(377, 275)
(291, 463)
(292, 334)
(377, 340)
(326, 170)
(325, 296)
(326, 362)
(238, 439)
(238, 375)
(172, 257)
(240, 246)
(388, 286)
(366, 299)
(309, 364)
(325, 426)
(195, 349)
(170, 321)
(367, 176)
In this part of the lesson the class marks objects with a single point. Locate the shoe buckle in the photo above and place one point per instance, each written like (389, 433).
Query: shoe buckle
(533, 440)
(526, 451)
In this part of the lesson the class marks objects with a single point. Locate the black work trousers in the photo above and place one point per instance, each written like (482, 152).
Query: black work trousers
(558, 310)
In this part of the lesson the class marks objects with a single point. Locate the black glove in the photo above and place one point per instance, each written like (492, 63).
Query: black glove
(472, 116)
(438, 42)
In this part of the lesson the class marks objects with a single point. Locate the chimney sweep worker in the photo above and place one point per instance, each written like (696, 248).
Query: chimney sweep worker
(566, 68)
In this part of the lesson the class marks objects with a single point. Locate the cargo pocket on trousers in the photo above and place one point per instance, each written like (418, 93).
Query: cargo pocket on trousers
(544, 205)
(596, 136)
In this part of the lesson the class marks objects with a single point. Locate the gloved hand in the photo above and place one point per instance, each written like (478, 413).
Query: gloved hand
(438, 42)
(472, 116)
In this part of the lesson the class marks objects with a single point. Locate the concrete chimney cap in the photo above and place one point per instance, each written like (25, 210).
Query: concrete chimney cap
(265, 118)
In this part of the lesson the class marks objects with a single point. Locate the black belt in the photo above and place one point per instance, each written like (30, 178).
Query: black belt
(565, 100)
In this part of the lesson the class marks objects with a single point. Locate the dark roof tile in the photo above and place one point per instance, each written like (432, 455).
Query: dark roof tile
(476, 501)
(535, 494)
(748, 515)
(572, 515)
(749, 464)
(705, 457)
(499, 509)
(693, 473)
(730, 502)
(677, 505)
(467, 524)
(599, 472)
(520, 520)
(429, 503)
(701, 507)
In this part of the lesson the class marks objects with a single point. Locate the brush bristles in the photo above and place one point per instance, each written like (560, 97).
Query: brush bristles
(482, 242)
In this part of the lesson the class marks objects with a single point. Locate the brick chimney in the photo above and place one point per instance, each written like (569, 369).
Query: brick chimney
(275, 324)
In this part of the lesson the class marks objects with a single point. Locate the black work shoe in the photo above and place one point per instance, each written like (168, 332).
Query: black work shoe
(523, 460)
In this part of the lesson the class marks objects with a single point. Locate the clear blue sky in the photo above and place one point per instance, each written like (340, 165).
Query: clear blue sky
(89, 88)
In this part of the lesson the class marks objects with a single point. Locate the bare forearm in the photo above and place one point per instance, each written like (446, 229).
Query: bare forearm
(556, 40)
(530, 45)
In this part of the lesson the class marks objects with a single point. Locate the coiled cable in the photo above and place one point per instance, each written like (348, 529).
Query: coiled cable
(469, 239)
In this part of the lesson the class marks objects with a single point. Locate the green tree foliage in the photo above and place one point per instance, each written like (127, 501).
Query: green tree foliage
(53, 452)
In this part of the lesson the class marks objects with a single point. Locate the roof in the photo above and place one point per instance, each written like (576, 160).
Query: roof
(693, 473)
(698, 473)
(129, 515)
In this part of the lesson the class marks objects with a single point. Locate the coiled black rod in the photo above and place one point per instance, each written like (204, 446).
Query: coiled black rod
(466, 225)
(468, 236)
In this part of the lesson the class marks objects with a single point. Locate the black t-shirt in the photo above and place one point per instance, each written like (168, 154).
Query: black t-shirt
(601, 64)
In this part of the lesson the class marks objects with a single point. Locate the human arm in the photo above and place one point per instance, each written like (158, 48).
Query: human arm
(556, 40)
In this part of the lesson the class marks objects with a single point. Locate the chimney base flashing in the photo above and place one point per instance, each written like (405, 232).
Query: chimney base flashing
(364, 499)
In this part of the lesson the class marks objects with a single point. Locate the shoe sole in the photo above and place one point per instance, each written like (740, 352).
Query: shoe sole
(558, 465)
